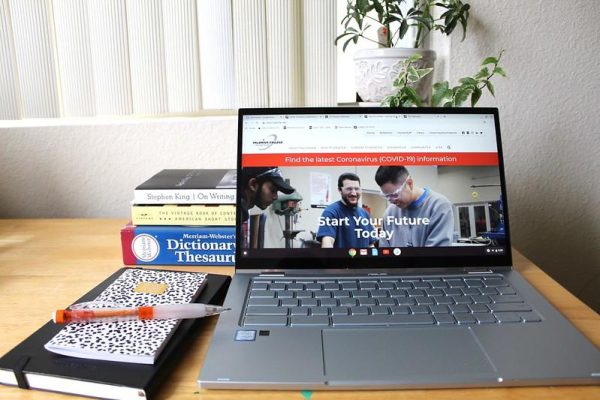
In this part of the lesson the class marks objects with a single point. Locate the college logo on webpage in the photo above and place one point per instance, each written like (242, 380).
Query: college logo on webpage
(264, 144)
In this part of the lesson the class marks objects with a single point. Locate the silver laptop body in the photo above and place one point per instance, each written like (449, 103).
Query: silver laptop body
(384, 315)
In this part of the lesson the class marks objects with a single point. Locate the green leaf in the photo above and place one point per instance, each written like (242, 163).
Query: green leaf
(468, 81)
(413, 58)
(483, 73)
(423, 72)
(475, 96)
(500, 71)
(490, 87)
(440, 93)
(403, 28)
(412, 96)
(490, 60)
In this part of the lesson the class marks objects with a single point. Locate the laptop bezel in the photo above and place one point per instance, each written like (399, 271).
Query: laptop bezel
(347, 263)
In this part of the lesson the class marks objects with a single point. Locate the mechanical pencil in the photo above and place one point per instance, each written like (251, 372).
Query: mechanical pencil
(166, 311)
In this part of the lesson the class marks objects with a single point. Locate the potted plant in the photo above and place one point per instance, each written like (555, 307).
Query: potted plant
(376, 69)
(469, 88)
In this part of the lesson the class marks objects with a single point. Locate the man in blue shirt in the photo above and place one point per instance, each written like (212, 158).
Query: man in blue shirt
(345, 224)
(416, 216)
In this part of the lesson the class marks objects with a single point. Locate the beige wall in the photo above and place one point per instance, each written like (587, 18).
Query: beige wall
(551, 127)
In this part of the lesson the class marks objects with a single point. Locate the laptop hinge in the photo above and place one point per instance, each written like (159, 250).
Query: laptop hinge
(272, 274)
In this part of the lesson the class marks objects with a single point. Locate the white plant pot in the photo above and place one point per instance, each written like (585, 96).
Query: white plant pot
(376, 69)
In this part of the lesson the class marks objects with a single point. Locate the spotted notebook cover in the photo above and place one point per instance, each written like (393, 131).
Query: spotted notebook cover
(130, 341)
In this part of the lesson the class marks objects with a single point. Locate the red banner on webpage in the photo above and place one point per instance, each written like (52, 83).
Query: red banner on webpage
(333, 159)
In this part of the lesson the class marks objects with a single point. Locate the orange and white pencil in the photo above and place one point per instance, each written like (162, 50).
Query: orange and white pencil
(165, 311)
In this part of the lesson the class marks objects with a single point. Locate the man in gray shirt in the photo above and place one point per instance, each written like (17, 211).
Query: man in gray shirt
(416, 217)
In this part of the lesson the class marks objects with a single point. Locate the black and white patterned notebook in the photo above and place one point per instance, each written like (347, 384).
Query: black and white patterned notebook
(130, 341)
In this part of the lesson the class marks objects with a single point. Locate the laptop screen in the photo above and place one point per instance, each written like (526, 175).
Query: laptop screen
(370, 188)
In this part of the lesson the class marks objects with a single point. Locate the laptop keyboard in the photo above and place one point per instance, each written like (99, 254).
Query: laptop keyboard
(461, 300)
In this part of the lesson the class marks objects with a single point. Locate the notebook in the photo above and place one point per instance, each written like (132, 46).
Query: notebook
(136, 341)
(30, 366)
(374, 252)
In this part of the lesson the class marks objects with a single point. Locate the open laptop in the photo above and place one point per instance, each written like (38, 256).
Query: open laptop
(419, 294)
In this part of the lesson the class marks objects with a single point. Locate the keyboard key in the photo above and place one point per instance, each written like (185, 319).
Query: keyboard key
(443, 300)
(259, 286)
(439, 309)
(314, 286)
(262, 294)
(479, 308)
(444, 319)
(386, 301)
(315, 320)
(360, 293)
(419, 309)
(359, 310)
(439, 285)
(298, 310)
(263, 302)
(400, 310)
(404, 285)
(386, 286)
(406, 301)
(307, 302)
(434, 292)
(474, 282)
(511, 298)
(398, 293)
(339, 294)
(321, 294)
(368, 285)
(304, 294)
(266, 310)
(424, 300)
(506, 317)
(348, 302)
(455, 283)
(484, 318)
(331, 286)
(277, 286)
(290, 302)
(530, 317)
(495, 282)
(462, 299)
(379, 293)
(272, 320)
(415, 292)
(382, 320)
(328, 302)
(285, 294)
(463, 319)
(481, 299)
(319, 311)
(458, 308)
(504, 307)
(490, 290)
(349, 286)
(505, 290)
(367, 301)
(295, 286)
(421, 285)
(453, 292)
(339, 310)
(379, 310)
(471, 292)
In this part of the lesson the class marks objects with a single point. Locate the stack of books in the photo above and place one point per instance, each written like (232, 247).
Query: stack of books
(182, 217)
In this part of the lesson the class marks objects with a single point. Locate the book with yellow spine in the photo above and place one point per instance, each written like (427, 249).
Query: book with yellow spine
(177, 214)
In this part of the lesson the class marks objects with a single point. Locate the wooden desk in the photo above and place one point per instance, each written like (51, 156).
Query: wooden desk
(48, 264)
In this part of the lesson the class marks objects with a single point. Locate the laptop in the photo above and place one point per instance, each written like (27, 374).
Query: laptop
(374, 252)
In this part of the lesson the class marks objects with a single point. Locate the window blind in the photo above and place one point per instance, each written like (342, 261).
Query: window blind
(85, 58)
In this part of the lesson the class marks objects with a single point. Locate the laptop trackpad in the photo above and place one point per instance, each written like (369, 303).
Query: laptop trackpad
(418, 356)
